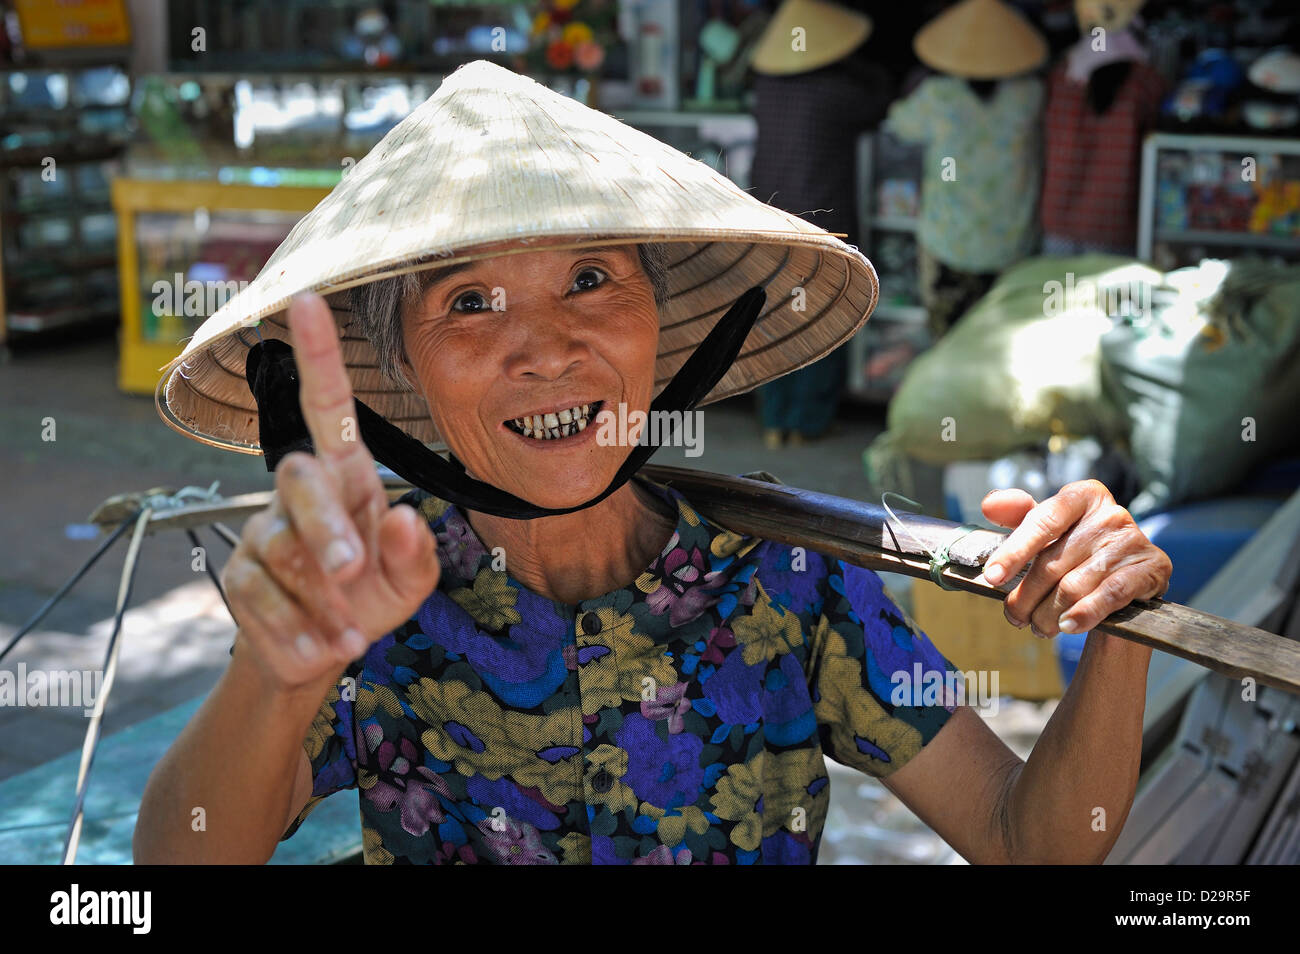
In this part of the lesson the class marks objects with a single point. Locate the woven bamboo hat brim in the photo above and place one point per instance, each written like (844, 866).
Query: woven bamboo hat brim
(831, 33)
(980, 39)
(494, 156)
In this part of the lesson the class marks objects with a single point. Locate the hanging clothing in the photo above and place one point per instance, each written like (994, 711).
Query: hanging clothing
(947, 293)
(805, 163)
(1082, 59)
(1093, 165)
(982, 168)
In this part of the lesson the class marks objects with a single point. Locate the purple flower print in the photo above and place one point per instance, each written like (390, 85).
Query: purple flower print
(892, 646)
(669, 703)
(663, 855)
(451, 850)
(416, 792)
(532, 651)
(735, 689)
(719, 639)
(459, 546)
(514, 842)
(660, 772)
(796, 589)
(683, 590)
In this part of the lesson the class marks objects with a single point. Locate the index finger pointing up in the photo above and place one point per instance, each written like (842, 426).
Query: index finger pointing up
(325, 393)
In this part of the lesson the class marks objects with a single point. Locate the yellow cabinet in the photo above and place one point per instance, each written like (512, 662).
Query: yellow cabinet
(184, 248)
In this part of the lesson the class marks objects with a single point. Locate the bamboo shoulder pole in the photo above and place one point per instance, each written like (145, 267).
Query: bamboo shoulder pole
(864, 535)
(860, 534)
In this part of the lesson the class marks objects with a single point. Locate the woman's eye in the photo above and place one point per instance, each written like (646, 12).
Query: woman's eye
(590, 271)
(470, 296)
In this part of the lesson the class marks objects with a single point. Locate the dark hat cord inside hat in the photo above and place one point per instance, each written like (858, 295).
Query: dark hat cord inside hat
(272, 376)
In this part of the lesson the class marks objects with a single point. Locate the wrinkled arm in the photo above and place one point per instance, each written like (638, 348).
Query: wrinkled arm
(241, 760)
(1043, 810)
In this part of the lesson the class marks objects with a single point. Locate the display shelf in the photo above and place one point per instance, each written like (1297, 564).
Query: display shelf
(1211, 193)
(894, 223)
(889, 175)
(20, 208)
(1262, 240)
(879, 359)
(37, 264)
(67, 153)
(64, 129)
(891, 312)
(40, 322)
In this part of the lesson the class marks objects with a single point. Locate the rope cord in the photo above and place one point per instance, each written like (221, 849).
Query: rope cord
(938, 561)
(110, 670)
(212, 575)
(228, 536)
(63, 590)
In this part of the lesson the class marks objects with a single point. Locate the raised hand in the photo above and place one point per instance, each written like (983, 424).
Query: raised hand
(328, 567)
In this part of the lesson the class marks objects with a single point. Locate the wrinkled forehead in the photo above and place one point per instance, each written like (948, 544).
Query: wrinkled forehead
(512, 256)
(507, 255)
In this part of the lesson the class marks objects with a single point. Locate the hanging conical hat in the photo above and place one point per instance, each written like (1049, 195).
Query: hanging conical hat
(980, 39)
(1277, 70)
(494, 156)
(831, 32)
(1107, 14)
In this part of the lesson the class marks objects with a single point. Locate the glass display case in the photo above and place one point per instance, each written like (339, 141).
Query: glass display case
(63, 131)
(1218, 197)
(184, 249)
(889, 193)
(265, 129)
(583, 41)
(612, 54)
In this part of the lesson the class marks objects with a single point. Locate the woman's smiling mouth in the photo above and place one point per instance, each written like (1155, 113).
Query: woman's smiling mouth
(555, 425)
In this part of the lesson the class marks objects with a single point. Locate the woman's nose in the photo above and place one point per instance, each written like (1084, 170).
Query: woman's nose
(547, 342)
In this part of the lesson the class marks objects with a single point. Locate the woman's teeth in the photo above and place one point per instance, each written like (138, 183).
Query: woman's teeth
(549, 427)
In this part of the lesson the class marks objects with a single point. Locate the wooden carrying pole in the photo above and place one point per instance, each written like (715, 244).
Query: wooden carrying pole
(867, 536)
(862, 534)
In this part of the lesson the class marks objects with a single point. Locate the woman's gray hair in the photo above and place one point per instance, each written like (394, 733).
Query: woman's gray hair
(377, 307)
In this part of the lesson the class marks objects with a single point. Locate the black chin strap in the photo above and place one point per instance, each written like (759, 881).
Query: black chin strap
(273, 378)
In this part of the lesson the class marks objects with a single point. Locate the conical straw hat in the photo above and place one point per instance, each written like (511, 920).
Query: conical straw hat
(493, 157)
(1107, 14)
(980, 39)
(831, 32)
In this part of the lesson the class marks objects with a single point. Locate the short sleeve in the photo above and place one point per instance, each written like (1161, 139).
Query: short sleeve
(910, 118)
(331, 744)
(879, 686)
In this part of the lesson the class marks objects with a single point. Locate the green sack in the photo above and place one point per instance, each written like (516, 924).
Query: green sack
(1209, 380)
(1021, 365)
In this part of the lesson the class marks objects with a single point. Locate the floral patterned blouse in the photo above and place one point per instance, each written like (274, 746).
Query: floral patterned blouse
(682, 719)
(983, 168)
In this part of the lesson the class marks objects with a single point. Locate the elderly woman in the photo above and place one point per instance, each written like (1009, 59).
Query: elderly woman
(617, 682)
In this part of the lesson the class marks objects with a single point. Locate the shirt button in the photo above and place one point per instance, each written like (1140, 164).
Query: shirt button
(602, 782)
(591, 624)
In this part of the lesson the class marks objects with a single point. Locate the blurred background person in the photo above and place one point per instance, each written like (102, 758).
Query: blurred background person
(1102, 99)
(824, 74)
(980, 118)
